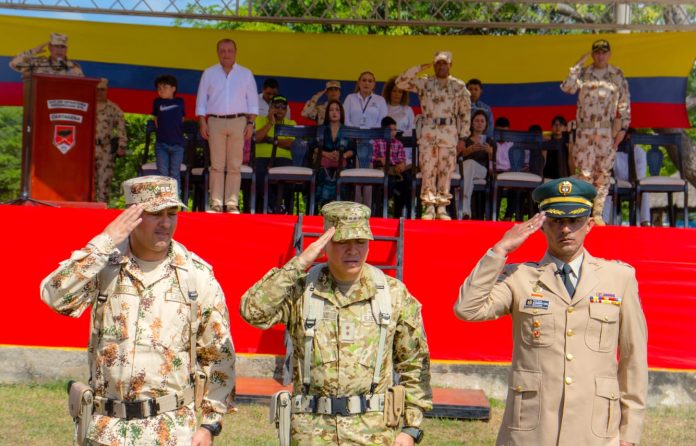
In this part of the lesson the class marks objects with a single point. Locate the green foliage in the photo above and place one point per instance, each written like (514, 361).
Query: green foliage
(127, 166)
(10, 152)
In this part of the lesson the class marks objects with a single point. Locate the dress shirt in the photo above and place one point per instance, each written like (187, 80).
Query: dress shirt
(366, 113)
(574, 265)
(227, 94)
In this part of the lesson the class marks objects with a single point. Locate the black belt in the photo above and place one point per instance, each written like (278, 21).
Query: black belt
(440, 121)
(236, 115)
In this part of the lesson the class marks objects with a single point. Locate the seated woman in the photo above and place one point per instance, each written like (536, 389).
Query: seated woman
(475, 157)
(333, 148)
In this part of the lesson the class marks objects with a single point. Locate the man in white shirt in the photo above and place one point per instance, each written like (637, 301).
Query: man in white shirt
(269, 90)
(226, 106)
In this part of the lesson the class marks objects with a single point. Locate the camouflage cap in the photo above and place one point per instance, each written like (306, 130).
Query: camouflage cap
(601, 45)
(351, 220)
(443, 55)
(157, 192)
(565, 198)
(59, 39)
(333, 84)
(103, 84)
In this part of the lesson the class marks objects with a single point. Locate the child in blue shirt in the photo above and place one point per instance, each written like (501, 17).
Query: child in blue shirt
(168, 112)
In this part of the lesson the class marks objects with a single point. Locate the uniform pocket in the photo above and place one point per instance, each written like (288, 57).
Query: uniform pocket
(606, 410)
(172, 327)
(537, 326)
(602, 334)
(524, 400)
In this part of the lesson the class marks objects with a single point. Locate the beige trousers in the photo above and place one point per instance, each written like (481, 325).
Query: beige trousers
(226, 141)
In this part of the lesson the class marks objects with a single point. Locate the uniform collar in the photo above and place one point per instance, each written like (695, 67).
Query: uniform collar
(176, 258)
(326, 288)
(547, 269)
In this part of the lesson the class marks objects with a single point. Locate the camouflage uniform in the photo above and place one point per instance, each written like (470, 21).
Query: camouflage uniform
(27, 62)
(110, 123)
(314, 111)
(446, 115)
(602, 96)
(141, 349)
(346, 345)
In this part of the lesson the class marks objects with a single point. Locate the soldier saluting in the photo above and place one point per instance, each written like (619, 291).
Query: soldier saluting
(56, 62)
(570, 313)
(351, 326)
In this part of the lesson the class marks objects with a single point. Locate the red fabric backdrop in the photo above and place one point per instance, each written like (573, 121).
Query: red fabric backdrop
(437, 258)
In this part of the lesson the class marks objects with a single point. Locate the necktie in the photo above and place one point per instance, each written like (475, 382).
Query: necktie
(566, 271)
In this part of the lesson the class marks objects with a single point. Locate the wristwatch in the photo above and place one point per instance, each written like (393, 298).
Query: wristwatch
(414, 432)
(214, 428)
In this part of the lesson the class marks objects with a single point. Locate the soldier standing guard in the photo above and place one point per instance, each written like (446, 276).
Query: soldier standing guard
(56, 62)
(571, 312)
(446, 107)
(110, 124)
(603, 95)
(351, 326)
(159, 319)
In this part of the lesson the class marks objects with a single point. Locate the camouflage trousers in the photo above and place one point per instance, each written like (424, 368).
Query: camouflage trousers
(438, 159)
(361, 430)
(593, 156)
(103, 172)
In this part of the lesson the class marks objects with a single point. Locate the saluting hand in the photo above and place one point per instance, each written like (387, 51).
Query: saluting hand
(123, 225)
(584, 58)
(518, 234)
(425, 66)
(310, 254)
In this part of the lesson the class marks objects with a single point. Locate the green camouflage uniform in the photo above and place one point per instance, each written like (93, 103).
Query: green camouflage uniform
(110, 123)
(142, 349)
(345, 346)
(446, 115)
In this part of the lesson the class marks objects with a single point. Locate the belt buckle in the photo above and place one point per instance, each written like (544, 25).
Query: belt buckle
(179, 400)
(339, 406)
(133, 410)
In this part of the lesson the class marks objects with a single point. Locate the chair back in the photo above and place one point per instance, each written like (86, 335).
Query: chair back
(559, 147)
(362, 138)
(654, 156)
(521, 142)
(302, 147)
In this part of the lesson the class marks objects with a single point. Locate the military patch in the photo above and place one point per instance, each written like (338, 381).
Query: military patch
(605, 298)
(565, 188)
(536, 303)
(64, 137)
(330, 312)
(126, 289)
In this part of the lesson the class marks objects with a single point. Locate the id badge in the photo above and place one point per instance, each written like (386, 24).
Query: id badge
(363, 121)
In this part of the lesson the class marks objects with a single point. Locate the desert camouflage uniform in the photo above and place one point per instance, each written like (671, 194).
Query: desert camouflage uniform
(27, 62)
(314, 111)
(110, 123)
(438, 142)
(601, 98)
(345, 351)
(143, 349)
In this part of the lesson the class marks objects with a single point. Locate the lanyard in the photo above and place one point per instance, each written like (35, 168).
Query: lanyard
(366, 104)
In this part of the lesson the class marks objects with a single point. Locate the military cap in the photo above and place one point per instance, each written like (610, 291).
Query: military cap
(351, 220)
(278, 99)
(600, 45)
(59, 39)
(443, 55)
(103, 84)
(156, 192)
(333, 84)
(565, 198)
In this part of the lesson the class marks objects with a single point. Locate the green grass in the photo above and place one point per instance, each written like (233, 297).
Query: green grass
(37, 415)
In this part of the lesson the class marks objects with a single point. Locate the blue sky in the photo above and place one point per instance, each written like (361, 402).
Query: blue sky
(111, 18)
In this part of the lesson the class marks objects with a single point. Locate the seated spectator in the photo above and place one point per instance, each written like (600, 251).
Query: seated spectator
(475, 157)
(333, 147)
(398, 108)
(265, 126)
(399, 176)
(621, 172)
(317, 112)
(551, 157)
(269, 91)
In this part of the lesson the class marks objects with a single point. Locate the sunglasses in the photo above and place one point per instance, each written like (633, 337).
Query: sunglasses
(280, 106)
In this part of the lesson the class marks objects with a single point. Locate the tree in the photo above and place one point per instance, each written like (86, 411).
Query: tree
(10, 152)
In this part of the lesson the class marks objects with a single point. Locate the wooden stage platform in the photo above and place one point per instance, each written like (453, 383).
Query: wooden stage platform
(462, 404)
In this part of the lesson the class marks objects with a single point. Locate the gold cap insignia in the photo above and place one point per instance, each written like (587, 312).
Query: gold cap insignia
(565, 187)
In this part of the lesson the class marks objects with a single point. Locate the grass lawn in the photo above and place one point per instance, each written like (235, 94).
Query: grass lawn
(37, 415)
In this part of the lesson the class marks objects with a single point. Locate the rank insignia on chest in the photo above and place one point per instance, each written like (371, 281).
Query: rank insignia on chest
(536, 303)
(605, 298)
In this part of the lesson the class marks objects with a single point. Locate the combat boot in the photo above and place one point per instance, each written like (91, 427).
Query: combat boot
(429, 213)
(442, 213)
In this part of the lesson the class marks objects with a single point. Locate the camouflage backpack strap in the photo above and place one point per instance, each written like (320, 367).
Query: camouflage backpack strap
(312, 310)
(187, 283)
(381, 311)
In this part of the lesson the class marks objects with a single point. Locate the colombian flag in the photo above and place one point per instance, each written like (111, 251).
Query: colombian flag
(521, 74)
